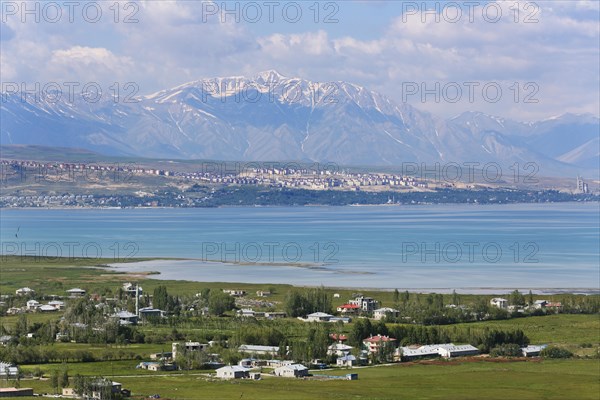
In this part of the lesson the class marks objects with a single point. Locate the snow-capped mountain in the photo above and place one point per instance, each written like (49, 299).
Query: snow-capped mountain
(270, 117)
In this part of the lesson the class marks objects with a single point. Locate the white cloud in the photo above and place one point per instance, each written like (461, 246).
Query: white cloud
(172, 43)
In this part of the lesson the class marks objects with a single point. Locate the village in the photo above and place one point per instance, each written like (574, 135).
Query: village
(356, 335)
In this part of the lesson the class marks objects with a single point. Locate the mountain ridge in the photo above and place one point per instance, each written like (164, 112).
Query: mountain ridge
(273, 117)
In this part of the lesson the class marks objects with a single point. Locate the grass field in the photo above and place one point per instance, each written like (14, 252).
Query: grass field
(462, 379)
(570, 379)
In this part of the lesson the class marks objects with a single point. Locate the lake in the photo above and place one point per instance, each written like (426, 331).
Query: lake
(468, 247)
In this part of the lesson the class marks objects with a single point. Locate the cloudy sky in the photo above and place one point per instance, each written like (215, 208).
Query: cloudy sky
(543, 55)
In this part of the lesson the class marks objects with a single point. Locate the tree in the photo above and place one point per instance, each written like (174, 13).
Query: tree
(160, 298)
(455, 298)
(530, 297)
(219, 302)
(22, 326)
(555, 352)
(405, 297)
(64, 377)
(54, 380)
(516, 298)
(396, 296)
(506, 350)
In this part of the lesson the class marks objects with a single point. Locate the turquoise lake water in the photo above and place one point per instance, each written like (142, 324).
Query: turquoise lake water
(456, 246)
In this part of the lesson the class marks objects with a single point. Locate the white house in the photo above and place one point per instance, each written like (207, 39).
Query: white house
(188, 346)
(130, 289)
(339, 349)
(291, 371)
(25, 291)
(76, 292)
(499, 302)
(125, 317)
(374, 343)
(319, 317)
(539, 304)
(257, 349)
(8, 371)
(249, 313)
(32, 305)
(346, 361)
(59, 305)
(532, 351)
(367, 304)
(235, 292)
(383, 312)
(47, 308)
(449, 351)
(348, 309)
(233, 372)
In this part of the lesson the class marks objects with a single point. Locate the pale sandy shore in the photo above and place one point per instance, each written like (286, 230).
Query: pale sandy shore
(333, 276)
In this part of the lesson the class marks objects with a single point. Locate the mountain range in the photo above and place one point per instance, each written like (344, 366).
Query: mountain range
(270, 117)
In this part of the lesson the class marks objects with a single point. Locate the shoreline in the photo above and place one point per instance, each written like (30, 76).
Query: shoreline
(417, 204)
(474, 290)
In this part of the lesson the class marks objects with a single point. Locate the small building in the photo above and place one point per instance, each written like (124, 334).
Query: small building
(348, 309)
(413, 353)
(259, 350)
(319, 317)
(5, 339)
(249, 313)
(8, 371)
(233, 372)
(101, 386)
(275, 315)
(499, 302)
(155, 366)
(59, 305)
(375, 343)
(32, 305)
(291, 371)
(447, 350)
(188, 347)
(339, 337)
(150, 312)
(383, 312)
(255, 376)
(24, 291)
(76, 292)
(130, 289)
(165, 355)
(539, 304)
(346, 361)
(339, 349)
(532, 351)
(278, 363)
(247, 362)
(235, 292)
(263, 293)
(367, 304)
(47, 308)
(125, 318)
(450, 351)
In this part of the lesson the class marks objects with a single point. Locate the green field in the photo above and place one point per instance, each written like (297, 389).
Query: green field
(460, 379)
(572, 379)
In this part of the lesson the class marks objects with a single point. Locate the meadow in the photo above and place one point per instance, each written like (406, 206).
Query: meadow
(470, 378)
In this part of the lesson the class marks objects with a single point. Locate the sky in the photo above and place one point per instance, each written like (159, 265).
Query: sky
(522, 60)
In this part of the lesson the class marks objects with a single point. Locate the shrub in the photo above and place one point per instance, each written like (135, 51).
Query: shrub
(506, 350)
(556, 352)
